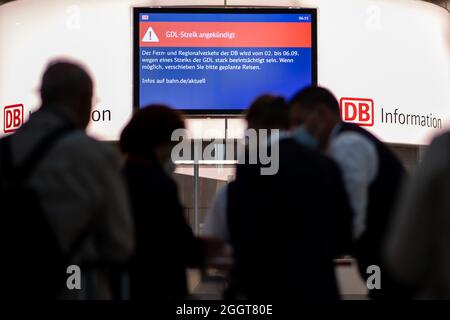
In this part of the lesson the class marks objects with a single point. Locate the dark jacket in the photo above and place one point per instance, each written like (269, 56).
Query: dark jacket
(165, 244)
(286, 228)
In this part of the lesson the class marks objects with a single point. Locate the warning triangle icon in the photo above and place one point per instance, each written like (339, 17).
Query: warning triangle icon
(150, 36)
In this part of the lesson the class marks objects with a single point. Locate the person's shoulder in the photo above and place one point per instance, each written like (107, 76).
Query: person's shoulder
(327, 162)
(292, 146)
(163, 184)
(438, 153)
(353, 145)
(442, 140)
(304, 154)
(141, 174)
(302, 159)
(350, 139)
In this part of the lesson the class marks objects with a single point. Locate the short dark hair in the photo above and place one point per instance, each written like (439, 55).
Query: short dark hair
(268, 112)
(148, 128)
(314, 96)
(63, 81)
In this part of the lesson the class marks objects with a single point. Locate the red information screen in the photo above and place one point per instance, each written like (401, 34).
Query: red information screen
(209, 60)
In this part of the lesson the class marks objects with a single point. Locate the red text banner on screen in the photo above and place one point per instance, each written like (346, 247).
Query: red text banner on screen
(231, 34)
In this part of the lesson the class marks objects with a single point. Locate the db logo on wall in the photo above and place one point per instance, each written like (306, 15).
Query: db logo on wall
(12, 117)
(358, 111)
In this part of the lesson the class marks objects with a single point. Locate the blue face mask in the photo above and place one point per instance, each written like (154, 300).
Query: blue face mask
(302, 136)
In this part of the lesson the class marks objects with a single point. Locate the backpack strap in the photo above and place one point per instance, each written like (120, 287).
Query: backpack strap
(19, 174)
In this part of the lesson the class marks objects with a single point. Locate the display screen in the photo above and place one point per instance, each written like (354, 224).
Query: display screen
(213, 61)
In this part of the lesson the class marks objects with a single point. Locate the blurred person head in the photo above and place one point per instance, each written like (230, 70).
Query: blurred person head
(268, 112)
(68, 87)
(314, 112)
(149, 133)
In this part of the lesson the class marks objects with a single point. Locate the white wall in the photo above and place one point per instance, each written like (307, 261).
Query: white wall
(394, 52)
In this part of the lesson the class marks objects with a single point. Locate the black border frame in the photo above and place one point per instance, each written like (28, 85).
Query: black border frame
(193, 9)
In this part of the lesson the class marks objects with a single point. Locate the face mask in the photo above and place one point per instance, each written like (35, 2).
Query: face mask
(302, 136)
(169, 167)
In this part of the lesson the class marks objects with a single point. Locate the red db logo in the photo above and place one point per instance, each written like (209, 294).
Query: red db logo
(357, 110)
(12, 117)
